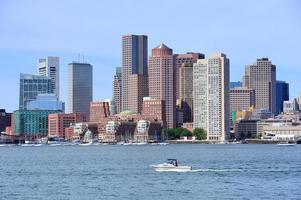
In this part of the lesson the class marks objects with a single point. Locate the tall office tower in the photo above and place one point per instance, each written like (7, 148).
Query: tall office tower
(261, 76)
(80, 88)
(31, 86)
(134, 61)
(299, 100)
(99, 110)
(186, 91)
(282, 94)
(117, 104)
(137, 89)
(161, 81)
(50, 67)
(211, 96)
(189, 57)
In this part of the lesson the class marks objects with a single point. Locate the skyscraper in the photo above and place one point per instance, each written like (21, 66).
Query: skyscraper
(117, 104)
(134, 61)
(189, 57)
(161, 80)
(261, 76)
(137, 89)
(211, 96)
(50, 67)
(282, 94)
(186, 91)
(80, 88)
(31, 86)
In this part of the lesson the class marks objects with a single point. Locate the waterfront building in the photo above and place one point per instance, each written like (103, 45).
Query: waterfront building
(180, 59)
(235, 84)
(261, 76)
(279, 129)
(50, 67)
(5, 120)
(132, 131)
(147, 131)
(290, 106)
(117, 92)
(80, 87)
(186, 91)
(161, 81)
(31, 86)
(244, 129)
(99, 110)
(211, 96)
(80, 130)
(46, 102)
(58, 122)
(134, 71)
(31, 123)
(282, 94)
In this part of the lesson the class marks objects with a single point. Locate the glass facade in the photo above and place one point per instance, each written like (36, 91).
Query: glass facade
(282, 94)
(32, 122)
(31, 86)
(46, 102)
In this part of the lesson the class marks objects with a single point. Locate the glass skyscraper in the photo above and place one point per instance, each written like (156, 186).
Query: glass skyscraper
(31, 86)
(282, 94)
(80, 87)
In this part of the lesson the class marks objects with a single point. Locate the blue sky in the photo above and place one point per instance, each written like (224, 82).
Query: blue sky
(243, 30)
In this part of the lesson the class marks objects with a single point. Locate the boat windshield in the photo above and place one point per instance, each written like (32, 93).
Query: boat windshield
(174, 162)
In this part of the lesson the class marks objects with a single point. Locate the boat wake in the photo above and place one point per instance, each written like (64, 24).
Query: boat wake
(216, 170)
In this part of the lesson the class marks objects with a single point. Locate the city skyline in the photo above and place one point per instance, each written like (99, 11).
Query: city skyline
(239, 37)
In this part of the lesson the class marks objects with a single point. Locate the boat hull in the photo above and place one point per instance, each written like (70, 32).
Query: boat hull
(164, 168)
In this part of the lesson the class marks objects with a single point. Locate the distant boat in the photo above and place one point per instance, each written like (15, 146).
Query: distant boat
(171, 165)
(286, 144)
(34, 143)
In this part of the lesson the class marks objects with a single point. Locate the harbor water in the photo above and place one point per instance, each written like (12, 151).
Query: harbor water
(123, 172)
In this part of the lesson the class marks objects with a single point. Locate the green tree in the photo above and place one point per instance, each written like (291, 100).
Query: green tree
(176, 133)
(186, 133)
(200, 133)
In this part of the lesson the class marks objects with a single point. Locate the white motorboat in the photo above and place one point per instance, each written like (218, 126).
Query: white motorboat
(171, 166)
(286, 144)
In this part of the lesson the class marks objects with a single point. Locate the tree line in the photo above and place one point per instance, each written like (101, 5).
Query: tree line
(177, 133)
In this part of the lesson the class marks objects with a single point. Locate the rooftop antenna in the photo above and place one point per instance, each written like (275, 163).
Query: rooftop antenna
(83, 58)
(78, 57)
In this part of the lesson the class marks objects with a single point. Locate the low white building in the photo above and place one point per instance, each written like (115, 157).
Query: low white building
(281, 131)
